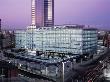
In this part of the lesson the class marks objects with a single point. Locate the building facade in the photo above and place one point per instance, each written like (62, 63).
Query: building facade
(42, 13)
(0, 36)
(0, 24)
(64, 39)
(7, 39)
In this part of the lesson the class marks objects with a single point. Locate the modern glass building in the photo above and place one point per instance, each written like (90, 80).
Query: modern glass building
(66, 39)
(43, 13)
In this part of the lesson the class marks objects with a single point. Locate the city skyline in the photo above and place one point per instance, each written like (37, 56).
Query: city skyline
(88, 12)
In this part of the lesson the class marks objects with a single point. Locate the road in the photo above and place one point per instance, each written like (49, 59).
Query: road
(79, 70)
(88, 69)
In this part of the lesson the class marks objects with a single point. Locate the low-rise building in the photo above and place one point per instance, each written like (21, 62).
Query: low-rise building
(73, 39)
(7, 39)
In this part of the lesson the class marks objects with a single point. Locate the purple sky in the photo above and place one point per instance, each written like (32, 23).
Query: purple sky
(17, 13)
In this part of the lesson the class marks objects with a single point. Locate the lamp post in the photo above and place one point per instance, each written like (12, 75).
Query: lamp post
(63, 71)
